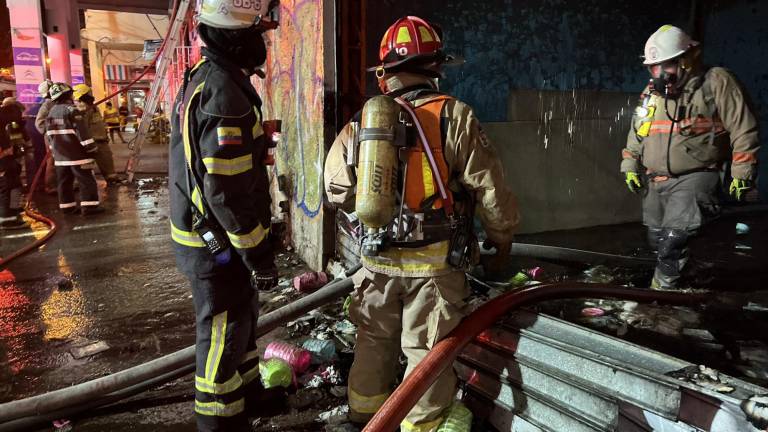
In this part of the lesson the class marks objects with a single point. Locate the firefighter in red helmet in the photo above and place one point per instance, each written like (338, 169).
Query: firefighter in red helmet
(433, 171)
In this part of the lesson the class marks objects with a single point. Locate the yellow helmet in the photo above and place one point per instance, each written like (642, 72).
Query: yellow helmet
(235, 14)
(80, 90)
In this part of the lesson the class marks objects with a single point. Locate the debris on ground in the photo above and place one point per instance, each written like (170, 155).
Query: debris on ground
(336, 415)
(703, 376)
(64, 284)
(310, 281)
(62, 425)
(275, 372)
(298, 358)
(322, 351)
(89, 350)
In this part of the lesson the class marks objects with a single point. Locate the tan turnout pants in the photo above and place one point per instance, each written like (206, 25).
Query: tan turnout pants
(412, 314)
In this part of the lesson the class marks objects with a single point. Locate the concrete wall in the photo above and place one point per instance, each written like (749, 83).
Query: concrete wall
(736, 36)
(561, 152)
(294, 91)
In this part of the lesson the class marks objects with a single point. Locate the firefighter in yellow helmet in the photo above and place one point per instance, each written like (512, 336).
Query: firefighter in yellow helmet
(220, 208)
(81, 93)
(690, 121)
(416, 198)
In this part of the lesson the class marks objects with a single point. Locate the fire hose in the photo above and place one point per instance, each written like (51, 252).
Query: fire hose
(46, 220)
(444, 353)
(24, 413)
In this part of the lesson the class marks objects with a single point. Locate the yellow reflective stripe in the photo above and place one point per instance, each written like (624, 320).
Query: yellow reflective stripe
(218, 333)
(220, 409)
(251, 374)
(250, 240)
(403, 35)
(211, 387)
(228, 167)
(197, 199)
(185, 129)
(421, 427)
(426, 174)
(186, 238)
(366, 404)
(257, 130)
(428, 258)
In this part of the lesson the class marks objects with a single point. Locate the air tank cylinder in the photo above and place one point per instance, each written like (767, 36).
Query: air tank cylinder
(375, 202)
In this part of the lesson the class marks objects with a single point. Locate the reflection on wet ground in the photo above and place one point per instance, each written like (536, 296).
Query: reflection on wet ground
(108, 278)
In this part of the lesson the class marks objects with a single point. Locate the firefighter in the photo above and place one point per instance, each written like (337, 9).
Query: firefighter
(73, 151)
(84, 102)
(42, 114)
(14, 142)
(689, 122)
(220, 208)
(112, 119)
(409, 294)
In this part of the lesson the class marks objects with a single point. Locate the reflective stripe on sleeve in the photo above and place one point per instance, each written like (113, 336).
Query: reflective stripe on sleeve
(228, 167)
(86, 142)
(186, 238)
(250, 240)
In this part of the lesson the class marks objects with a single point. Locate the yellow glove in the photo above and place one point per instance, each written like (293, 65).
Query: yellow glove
(739, 188)
(633, 182)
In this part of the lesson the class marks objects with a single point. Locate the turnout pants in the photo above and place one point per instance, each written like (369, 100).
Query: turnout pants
(104, 161)
(10, 189)
(227, 364)
(674, 210)
(89, 193)
(412, 314)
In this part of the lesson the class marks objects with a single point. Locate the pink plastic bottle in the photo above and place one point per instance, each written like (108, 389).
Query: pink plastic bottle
(298, 358)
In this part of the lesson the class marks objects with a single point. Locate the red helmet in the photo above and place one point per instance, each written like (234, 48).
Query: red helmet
(409, 39)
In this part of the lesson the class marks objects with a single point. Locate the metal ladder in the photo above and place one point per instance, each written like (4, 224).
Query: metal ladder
(155, 90)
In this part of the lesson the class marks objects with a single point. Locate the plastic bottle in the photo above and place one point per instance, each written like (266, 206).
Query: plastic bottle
(298, 358)
(322, 351)
(519, 279)
(275, 373)
(457, 419)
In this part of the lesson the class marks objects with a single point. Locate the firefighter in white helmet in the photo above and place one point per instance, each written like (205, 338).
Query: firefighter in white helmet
(220, 207)
(689, 123)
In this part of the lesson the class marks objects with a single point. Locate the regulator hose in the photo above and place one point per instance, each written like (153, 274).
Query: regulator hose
(444, 353)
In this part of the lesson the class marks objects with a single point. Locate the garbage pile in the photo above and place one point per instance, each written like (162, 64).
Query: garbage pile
(310, 361)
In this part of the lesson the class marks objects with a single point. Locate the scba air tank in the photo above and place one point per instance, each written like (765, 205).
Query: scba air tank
(377, 164)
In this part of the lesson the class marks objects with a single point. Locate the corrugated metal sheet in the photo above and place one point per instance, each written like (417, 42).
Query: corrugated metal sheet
(537, 373)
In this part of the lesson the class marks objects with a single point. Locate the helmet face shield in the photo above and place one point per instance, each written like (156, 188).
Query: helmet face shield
(670, 67)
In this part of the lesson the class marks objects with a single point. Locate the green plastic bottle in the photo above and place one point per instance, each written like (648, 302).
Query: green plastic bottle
(275, 373)
(457, 419)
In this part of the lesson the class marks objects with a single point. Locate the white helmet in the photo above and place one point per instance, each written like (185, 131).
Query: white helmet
(234, 14)
(667, 43)
(43, 87)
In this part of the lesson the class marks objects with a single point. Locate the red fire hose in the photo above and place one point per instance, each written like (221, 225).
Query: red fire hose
(444, 353)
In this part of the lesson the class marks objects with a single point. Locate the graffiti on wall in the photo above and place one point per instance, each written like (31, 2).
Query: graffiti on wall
(293, 92)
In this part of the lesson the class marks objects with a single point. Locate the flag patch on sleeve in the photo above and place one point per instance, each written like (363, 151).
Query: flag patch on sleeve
(229, 135)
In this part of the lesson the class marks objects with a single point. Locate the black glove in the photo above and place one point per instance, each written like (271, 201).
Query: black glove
(264, 279)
